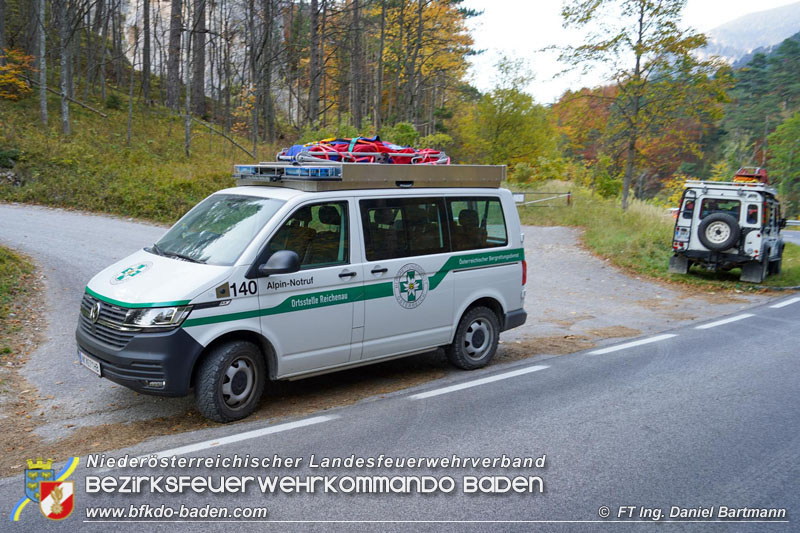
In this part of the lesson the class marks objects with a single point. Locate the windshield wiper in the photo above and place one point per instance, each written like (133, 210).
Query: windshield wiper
(155, 249)
(181, 256)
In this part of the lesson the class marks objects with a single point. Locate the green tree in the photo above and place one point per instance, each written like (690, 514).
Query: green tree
(653, 63)
(785, 162)
(767, 91)
(505, 126)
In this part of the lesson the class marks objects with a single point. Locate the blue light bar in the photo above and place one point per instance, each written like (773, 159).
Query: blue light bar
(246, 170)
(313, 172)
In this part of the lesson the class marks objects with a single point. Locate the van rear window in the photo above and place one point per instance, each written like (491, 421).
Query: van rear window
(477, 223)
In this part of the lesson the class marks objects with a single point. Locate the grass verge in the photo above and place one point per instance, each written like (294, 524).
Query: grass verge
(16, 282)
(640, 239)
(96, 169)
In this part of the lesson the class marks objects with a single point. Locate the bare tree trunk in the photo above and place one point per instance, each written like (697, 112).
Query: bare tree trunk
(267, 64)
(254, 85)
(63, 31)
(357, 67)
(117, 37)
(174, 51)
(146, 54)
(71, 52)
(187, 127)
(633, 134)
(314, 65)
(2, 32)
(133, 69)
(99, 16)
(228, 73)
(378, 101)
(322, 70)
(42, 38)
(199, 57)
(90, 67)
(103, 47)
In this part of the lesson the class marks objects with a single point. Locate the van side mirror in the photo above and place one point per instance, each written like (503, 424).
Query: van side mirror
(783, 222)
(281, 262)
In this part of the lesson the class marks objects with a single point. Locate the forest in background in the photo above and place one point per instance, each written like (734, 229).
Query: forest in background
(268, 73)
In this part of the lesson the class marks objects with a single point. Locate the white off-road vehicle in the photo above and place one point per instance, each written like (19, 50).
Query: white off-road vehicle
(724, 225)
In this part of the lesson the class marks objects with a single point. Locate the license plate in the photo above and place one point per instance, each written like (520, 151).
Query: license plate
(89, 363)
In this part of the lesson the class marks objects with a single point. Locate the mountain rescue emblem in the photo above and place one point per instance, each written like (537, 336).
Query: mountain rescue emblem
(410, 285)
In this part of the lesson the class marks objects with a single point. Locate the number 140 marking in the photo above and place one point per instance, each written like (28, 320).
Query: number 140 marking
(244, 288)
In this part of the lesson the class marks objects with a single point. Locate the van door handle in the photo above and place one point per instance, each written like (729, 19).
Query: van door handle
(379, 270)
(346, 274)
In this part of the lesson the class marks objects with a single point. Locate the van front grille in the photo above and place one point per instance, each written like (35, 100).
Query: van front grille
(109, 327)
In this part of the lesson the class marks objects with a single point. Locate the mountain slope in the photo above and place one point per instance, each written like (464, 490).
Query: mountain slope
(741, 36)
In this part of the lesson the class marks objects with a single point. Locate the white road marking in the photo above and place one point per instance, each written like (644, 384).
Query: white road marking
(633, 343)
(475, 383)
(725, 321)
(183, 450)
(784, 303)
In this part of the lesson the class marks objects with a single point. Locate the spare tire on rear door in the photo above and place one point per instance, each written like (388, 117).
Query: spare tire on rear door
(719, 231)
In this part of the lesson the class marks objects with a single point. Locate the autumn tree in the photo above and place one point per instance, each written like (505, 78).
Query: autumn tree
(652, 61)
(505, 126)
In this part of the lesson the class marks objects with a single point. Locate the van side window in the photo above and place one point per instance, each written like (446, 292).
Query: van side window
(403, 227)
(317, 234)
(477, 223)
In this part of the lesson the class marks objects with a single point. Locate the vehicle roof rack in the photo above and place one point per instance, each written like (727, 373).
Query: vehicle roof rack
(319, 176)
(732, 186)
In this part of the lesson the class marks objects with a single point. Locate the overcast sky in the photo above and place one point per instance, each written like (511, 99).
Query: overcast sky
(518, 28)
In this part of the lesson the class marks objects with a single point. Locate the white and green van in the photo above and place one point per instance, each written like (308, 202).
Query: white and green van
(305, 269)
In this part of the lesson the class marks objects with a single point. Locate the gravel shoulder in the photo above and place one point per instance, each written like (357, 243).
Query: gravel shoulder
(574, 301)
(572, 292)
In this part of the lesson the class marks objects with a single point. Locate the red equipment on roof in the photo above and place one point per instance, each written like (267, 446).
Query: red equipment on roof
(362, 150)
(751, 175)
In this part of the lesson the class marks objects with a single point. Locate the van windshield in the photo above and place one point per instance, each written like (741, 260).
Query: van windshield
(217, 230)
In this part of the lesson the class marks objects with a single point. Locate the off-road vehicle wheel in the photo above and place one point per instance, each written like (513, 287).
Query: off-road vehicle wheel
(230, 381)
(719, 231)
(475, 342)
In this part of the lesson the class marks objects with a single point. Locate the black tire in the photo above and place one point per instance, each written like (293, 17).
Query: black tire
(230, 381)
(475, 342)
(719, 231)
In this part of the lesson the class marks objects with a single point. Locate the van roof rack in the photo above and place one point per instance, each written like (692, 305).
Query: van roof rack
(732, 185)
(319, 176)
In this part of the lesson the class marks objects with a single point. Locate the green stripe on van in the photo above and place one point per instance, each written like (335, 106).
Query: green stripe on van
(127, 304)
(368, 292)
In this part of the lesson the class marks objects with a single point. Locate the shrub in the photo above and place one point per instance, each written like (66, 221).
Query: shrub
(113, 101)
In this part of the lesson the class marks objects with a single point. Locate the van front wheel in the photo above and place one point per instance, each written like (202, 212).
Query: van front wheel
(230, 381)
(475, 342)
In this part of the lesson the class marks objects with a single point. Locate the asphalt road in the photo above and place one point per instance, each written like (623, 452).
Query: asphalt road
(70, 247)
(703, 415)
(791, 236)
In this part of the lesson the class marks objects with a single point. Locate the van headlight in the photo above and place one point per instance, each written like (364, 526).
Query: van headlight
(157, 318)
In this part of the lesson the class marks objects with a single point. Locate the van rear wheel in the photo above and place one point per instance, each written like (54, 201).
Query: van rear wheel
(230, 381)
(475, 342)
